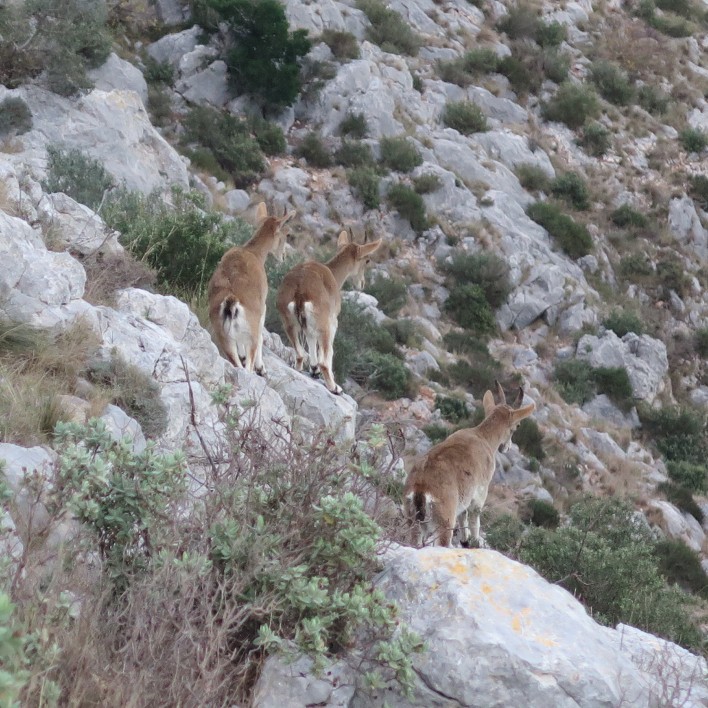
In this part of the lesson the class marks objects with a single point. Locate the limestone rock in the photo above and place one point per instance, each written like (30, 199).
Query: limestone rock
(676, 524)
(172, 47)
(116, 73)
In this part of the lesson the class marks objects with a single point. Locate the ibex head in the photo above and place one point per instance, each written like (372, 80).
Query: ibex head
(361, 255)
(509, 417)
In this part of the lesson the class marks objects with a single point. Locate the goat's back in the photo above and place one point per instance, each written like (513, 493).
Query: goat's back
(309, 282)
(239, 274)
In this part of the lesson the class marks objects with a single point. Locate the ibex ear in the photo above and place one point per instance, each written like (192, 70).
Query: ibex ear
(261, 213)
(521, 413)
(500, 392)
(284, 219)
(488, 402)
(342, 239)
(367, 249)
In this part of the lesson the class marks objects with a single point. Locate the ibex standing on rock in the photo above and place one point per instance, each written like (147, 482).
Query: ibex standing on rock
(453, 477)
(238, 291)
(309, 301)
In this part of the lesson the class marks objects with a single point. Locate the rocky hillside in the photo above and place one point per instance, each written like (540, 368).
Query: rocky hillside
(538, 177)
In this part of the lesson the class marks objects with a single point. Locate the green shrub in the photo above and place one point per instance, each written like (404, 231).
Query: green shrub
(671, 275)
(400, 154)
(556, 65)
(409, 205)
(183, 243)
(623, 321)
(426, 183)
(57, 39)
(388, 29)
(691, 475)
(269, 136)
(314, 151)
(464, 70)
(678, 7)
(702, 342)
(626, 217)
(13, 661)
(572, 188)
(481, 61)
(605, 556)
(681, 565)
(158, 72)
(521, 22)
(468, 306)
(263, 61)
(614, 382)
(354, 154)
(385, 373)
(572, 104)
(476, 378)
(595, 139)
(405, 331)
(391, 292)
(465, 117)
(682, 498)
(532, 178)
(229, 140)
(523, 79)
(612, 83)
(679, 433)
(529, 438)
(76, 174)
(485, 269)
(574, 382)
(453, 410)
(365, 183)
(698, 190)
(652, 100)
(550, 35)
(504, 533)
(15, 117)
(635, 265)
(693, 140)
(572, 237)
(542, 513)
(673, 26)
(436, 433)
(354, 125)
(343, 45)
(159, 105)
(204, 159)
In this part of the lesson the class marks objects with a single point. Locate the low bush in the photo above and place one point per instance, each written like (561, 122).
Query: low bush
(572, 104)
(679, 433)
(532, 178)
(626, 217)
(468, 306)
(354, 125)
(183, 243)
(465, 117)
(612, 83)
(673, 25)
(556, 65)
(268, 135)
(550, 35)
(314, 151)
(524, 76)
(405, 331)
(365, 183)
(529, 438)
(391, 292)
(623, 321)
(388, 29)
(384, 373)
(571, 236)
(572, 188)
(426, 183)
(681, 566)
(15, 117)
(158, 72)
(343, 45)
(595, 139)
(698, 190)
(681, 497)
(409, 205)
(520, 22)
(652, 100)
(485, 269)
(635, 265)
(453, 410)
(671, 275)
(543, 513)
(702, 342)
(230, 141)
(436, 433)
(76, 174)
(614, 382)
(693, 140)
(578, 382)
(691, 475)
(13, 674)
(400, 154)
(354, 154)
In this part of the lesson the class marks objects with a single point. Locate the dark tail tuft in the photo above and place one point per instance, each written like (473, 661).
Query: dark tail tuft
(419, 504)
(229, 308)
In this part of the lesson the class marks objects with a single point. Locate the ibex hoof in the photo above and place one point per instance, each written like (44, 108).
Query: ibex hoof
(473, 543)
(262, 371)
(242, 359)
(315, 372)
(337, 391)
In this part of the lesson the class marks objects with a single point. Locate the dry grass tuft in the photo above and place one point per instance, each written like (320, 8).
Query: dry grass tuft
(108, 273)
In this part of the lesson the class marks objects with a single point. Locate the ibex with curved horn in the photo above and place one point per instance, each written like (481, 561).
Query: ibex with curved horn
(453, 477)
(309, 301)
(238, 290)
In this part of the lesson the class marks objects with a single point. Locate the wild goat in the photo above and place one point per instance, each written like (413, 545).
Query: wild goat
(453, 477)
(238, 290)
(309, 301)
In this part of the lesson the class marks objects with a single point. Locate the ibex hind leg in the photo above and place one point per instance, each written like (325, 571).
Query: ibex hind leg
(293, 330)
(326, 358)
(258, 365)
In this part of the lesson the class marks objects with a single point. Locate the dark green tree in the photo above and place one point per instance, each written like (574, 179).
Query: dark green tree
(264, 59)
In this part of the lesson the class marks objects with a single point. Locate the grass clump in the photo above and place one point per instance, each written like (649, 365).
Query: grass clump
(652, 100)
(76, 174)
(465, 117)
(388, 29)
(268, 135)
(572, 188)
(572, 104)
(521, 22)
(691, 475)
(693, 140)
(436, 433)
(679, 433)
(529, 438)
(477, 369)
(577, 382)
(485, 269)
(365, 183)
(183, 243)
(314, 151)
(701, 344)
(468, 306)
(612, 83)
(453, 410)
(571, 236)
(400, 154)
(623, 321)
(427, 183)
(595, 139)
(635, 266)
(391, 292)
(343, 45)
(681, 566)
(698, 190)
(627, 218)
(228, 140)
(682, 498)
(354, 125)
(354, 154)
(409, 205)
(532, 178)
(542, 513)
(15, 117)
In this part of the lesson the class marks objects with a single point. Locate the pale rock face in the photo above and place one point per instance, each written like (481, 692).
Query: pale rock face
(675, 524)
(326, 14)
(368, 303)
(116, 73)
(172, 47)
(207, 87)
(602, 408)
(686, 225)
